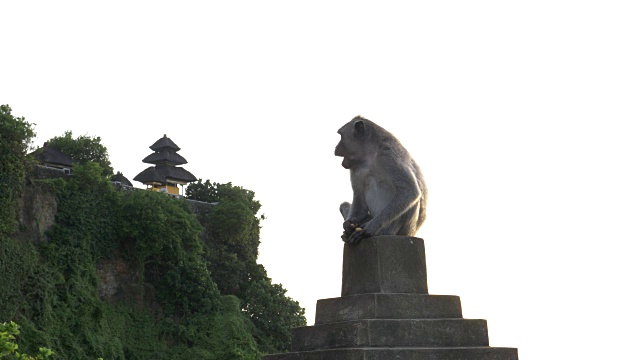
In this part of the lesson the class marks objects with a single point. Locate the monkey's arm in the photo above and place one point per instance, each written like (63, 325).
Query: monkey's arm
(359, 211)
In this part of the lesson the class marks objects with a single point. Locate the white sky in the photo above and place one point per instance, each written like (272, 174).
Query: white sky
(522, 116)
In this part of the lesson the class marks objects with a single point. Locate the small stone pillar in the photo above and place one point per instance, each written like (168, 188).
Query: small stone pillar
(387, 265)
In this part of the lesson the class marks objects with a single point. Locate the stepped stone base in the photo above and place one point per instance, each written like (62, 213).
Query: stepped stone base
(391, 333)
(385, 313)
(406, 353)
(387, 306)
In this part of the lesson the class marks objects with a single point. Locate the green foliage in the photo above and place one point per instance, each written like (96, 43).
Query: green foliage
(8, 332)
(174, 268)
(83, 149)
(226, 334)
(52, 288)
(8, 348)
(86, 217)
(168, 250)
(69, 316)
(202, 191)
(155, 232)
(232, 236)
(18, 262)
(16, 135)
(272, 312)
(232, 332)
(21, 282)
(134, 332)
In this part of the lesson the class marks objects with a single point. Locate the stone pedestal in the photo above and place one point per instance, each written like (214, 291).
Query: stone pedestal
(384, 264)
(385, 312)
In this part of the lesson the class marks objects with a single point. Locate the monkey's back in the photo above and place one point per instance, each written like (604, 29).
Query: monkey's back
(412, 218)
(395, 150)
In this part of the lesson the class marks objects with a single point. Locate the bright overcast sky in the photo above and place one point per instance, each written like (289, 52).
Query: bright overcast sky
(522, 116)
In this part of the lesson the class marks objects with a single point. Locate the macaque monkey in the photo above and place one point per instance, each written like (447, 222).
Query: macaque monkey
(389, 192)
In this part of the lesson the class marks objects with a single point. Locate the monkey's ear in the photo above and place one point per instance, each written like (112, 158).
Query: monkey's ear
(358, 129)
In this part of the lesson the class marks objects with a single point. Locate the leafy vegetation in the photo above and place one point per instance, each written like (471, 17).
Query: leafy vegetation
(8, 347)
(231, 238)
(16, 135)
(134, 274)
(83, 149)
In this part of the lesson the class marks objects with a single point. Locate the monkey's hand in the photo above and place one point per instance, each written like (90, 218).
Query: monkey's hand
(350, 225)
(357, 235)
(349, 228)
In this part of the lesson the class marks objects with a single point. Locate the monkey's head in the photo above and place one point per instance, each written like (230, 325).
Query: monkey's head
(354, 136)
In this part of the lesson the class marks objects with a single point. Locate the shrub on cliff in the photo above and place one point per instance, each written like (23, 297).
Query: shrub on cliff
(83, 149)
(231, 238)
(16, 135)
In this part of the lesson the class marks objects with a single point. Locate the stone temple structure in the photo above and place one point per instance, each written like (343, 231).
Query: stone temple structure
(385, 312)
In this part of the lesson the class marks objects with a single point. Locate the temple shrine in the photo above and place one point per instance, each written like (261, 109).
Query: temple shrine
(51, 157)
(165, 176)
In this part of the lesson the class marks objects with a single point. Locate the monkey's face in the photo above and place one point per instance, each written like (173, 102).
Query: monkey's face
(342, 150)
(350, 148)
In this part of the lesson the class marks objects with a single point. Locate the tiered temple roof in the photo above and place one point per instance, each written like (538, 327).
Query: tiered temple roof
(166, 157)
(165, 173)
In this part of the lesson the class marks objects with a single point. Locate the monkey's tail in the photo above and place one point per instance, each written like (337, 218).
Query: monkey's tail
(345, 207)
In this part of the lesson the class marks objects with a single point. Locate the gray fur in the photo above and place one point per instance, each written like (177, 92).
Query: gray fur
(389, 192)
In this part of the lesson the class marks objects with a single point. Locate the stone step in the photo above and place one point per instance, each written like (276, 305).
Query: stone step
(387, 306)
(384, 264)
(385, 312)
(454, 353)
(391, 333)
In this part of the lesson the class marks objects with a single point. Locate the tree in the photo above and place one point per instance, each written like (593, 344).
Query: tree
(232, 232)
(83, 149)
(226, 334)
(231, 238)
(16, 136)
(272, 312)
(202, 191)
(164, 236)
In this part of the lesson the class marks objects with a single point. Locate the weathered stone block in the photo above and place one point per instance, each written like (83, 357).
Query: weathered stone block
(391, 333)
(387, 306)
(384, 264)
